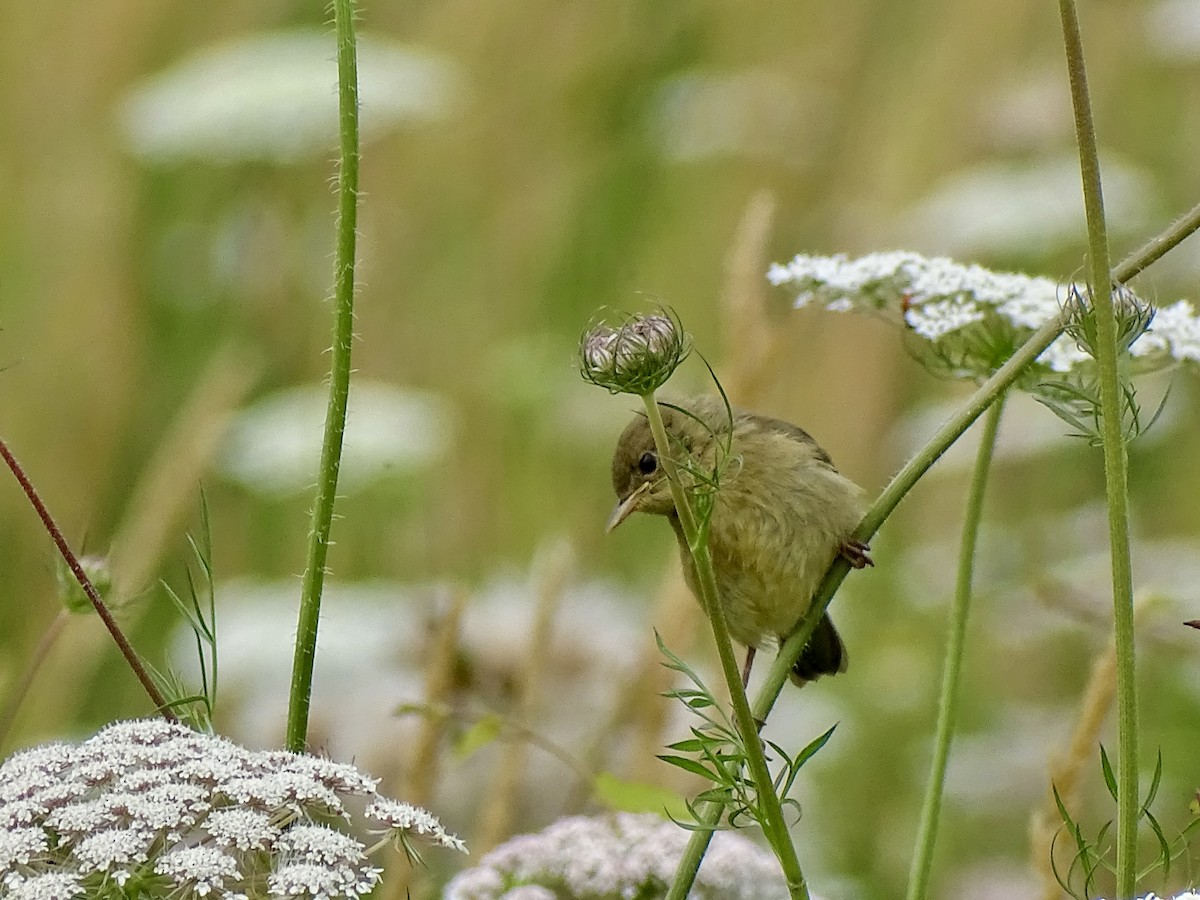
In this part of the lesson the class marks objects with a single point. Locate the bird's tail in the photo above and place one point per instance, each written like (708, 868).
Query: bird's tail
(825, 654)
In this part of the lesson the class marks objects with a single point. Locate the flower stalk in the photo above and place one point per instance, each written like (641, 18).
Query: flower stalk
(773, 824)
(922, 864)
(637, 357)
(339, 379)
(1115, 457)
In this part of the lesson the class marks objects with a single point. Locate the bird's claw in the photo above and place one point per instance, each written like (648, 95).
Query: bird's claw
(855, 553)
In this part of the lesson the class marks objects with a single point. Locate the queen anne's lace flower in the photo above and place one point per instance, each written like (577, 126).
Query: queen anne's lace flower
(190, 816)
(404, 817)
(202, 869)
(46, 886)
(245, 829)
(20, 845)
(972, 318)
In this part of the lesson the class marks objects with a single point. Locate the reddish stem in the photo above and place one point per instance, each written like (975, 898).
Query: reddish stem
(72, 562)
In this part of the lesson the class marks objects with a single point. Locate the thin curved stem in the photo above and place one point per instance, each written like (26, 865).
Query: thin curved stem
(72, 561)
(1116, 461)
(922, 864)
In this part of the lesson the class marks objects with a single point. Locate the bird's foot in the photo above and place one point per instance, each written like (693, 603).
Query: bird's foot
(855, 553)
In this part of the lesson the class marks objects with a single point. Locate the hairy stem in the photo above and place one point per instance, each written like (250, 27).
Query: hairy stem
(1115, 459)
(1157, 247)
(339, 379)
(774, 826)
(922, 864)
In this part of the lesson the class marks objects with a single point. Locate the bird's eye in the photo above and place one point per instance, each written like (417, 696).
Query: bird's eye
(647, 464)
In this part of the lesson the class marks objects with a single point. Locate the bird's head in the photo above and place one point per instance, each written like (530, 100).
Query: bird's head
(638, 477)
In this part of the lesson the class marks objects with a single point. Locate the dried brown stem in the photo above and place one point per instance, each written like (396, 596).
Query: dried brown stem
(551, 575)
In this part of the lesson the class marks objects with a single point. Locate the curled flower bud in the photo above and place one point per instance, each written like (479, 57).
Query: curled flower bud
(636, 357)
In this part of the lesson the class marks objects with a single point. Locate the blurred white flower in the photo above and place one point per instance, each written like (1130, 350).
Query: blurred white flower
(371, 632)
(274, 446)
(156, 801)
(377, 633)
(273, 97)
(1173, 30)
(1064, 354)
(617, 856)
(1029, 112)
(701, 115)
(1176, 329)
(1028, 210)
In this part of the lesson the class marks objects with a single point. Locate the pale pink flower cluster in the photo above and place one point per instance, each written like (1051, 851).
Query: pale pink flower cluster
(619, 856)
(152, 808)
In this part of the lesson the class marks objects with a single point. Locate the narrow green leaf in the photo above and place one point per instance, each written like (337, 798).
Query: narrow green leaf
(690, 765)
(1154, 782)
(691, 745)
(1109, 778)
(1164, 848)
(814, 746)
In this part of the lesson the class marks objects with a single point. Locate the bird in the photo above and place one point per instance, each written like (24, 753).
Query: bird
(781, 513)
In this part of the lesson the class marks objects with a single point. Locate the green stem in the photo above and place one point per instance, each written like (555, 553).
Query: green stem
(1115, 459)
(773, 824)
(990, 391)
(1157, 247)
(922, 864)
(339, 379)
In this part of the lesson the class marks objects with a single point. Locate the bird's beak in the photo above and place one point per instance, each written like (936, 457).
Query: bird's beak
(627, 507)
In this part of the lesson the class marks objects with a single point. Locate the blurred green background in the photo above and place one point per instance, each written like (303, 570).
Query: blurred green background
(165, 258)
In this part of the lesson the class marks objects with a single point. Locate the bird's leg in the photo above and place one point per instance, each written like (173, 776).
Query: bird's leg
(855, 553)
(750, 651)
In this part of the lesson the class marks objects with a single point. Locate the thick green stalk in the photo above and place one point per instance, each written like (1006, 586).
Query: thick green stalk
(774, 826)
(339, 379)
(1115, 459)
(922, 864)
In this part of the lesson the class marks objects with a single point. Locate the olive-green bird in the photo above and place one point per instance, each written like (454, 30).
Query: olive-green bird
(781, 515)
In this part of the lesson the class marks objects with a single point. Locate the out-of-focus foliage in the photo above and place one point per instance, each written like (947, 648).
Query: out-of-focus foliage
(524, 165)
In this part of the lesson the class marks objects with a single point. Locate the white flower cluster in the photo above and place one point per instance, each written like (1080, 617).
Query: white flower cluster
(618, 856)
(151, 807)
(938, 298)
